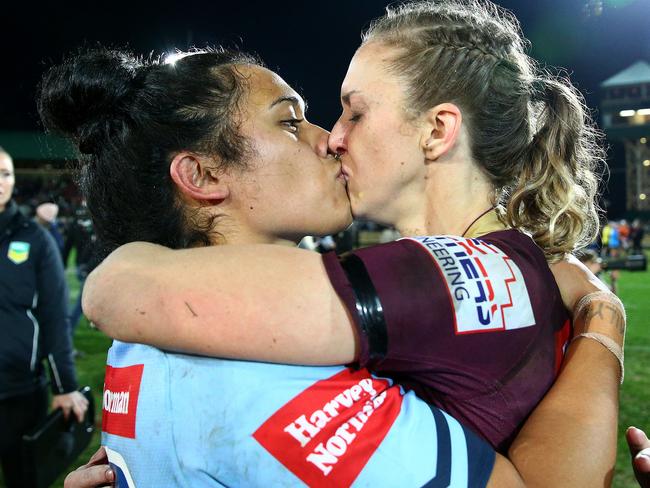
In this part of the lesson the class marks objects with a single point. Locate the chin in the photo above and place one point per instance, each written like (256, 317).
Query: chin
(335, 226)
(346, 220)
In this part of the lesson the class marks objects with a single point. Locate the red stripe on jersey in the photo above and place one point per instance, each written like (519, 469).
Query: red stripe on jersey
(561, 341)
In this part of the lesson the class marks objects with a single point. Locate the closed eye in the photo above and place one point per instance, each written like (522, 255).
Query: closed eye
(292, 125)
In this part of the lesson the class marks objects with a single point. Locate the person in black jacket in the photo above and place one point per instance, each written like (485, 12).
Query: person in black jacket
(33, 327)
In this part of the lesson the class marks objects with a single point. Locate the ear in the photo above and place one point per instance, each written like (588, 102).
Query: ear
(442, 127)
(198, 178)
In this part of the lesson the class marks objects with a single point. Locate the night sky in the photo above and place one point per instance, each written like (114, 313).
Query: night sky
(309, 43)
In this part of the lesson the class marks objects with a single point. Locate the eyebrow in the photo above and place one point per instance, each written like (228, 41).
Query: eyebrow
(346, 97)
(291, 99)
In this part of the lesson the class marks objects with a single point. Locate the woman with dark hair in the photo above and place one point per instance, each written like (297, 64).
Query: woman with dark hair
(157, 164)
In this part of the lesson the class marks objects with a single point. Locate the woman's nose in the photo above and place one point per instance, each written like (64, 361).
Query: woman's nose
(321, 143)
(336, 140)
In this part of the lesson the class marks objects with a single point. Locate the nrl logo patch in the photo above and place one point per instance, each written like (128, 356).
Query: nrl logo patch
(18, 252)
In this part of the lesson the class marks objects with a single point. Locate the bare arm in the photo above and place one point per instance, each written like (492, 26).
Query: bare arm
(259, 302)
(640, 453)
(570, 438)
(576, 423)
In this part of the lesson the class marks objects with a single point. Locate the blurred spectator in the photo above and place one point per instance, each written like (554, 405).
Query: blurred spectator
(624, 234)
(614, 240)
(604, 239)
(81, 237)
(325, 244)
(636, 236)
(308, 242)
(389, 234)
(348, 239)
(33, 298)
(46, 214)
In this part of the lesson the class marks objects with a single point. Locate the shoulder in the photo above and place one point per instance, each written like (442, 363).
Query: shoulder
(26, 229)
(27, 233)
(519, 247)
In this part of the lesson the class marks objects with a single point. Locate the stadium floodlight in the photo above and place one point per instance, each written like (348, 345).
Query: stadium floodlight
(627, 113)
(643, 111)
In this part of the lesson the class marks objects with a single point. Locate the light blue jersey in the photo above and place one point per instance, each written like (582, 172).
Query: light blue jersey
(179, 420)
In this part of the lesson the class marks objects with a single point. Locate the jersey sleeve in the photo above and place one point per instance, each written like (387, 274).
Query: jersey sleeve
(397, 299)
(437, 306)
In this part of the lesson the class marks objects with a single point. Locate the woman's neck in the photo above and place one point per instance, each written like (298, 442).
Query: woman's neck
(232, 229)
(246, 236)
(451, 199)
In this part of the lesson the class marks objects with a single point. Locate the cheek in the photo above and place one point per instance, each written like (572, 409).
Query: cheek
(7, 184)
(362, 146)
(375, 154)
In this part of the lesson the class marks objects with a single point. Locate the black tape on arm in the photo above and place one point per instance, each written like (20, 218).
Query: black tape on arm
(369, 307)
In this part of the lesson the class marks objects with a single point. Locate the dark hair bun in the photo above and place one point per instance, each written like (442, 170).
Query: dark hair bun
(79, 97)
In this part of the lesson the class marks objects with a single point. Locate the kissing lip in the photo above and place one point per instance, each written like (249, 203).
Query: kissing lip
(343, 172)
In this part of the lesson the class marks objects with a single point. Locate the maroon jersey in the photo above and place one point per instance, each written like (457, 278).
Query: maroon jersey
(474, 326)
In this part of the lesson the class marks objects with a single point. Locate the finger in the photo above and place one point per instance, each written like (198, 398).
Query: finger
(636, 440)
(642, 461)
(66, 411)
(82, 400)
(99, 457)
(79, 411)
(89, 477)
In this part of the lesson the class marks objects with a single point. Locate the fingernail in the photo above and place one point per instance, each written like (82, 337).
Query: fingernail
(110, 475)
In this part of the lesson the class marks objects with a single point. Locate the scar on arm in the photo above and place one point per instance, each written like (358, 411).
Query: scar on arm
(194, 314)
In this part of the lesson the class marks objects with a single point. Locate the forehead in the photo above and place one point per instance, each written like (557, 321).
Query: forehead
(266, 87)
(368, 75)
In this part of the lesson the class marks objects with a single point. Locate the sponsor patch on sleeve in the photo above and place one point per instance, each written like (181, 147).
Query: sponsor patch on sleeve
(120, 400)
(327, 434)
(486, 288)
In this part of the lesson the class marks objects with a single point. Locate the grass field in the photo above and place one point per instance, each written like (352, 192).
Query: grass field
(634, 290)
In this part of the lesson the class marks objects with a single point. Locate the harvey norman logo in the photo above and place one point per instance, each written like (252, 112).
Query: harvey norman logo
(116, 401)
(120, 400)
(486, 288)
(327, 434)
